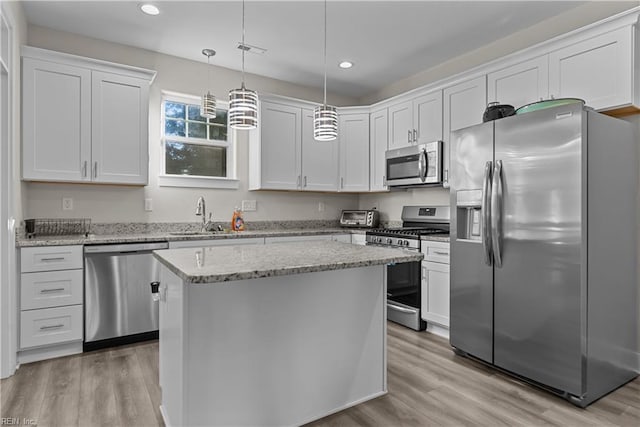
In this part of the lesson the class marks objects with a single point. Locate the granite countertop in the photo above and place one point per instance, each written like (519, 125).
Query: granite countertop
(134, 237)
(229, 263)
(437, 238)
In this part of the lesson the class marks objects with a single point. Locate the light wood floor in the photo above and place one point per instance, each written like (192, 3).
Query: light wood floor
(428, 385)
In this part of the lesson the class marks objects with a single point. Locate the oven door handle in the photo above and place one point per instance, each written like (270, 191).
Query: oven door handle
(401, 309)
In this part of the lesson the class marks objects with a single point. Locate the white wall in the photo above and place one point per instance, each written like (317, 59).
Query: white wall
(110, 203)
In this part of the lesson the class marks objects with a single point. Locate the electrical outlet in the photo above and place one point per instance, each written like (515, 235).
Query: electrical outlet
(249, 205)
(67, 204)
(148, 205)
(320, 206)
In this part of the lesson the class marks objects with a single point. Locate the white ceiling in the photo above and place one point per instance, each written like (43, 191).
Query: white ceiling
(386, 40)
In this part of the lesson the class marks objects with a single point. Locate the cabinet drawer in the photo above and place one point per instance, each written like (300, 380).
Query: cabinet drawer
(50, 326)
(48, 258)
(435, 251)
(50, 289)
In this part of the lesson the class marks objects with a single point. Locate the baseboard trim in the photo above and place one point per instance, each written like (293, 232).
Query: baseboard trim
(440, 331)
(165, 419)
(49, 352)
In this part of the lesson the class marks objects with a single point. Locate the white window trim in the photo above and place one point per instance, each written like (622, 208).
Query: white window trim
(167, 180)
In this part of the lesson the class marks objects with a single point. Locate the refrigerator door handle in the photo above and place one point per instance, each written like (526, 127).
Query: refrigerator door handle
(485, 210)
(496, 214)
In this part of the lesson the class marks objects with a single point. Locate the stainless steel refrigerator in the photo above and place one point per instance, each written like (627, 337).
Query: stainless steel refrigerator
(543, 249)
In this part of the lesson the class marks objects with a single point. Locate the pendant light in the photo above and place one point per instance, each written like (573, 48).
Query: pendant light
(243, 102)
(325, 117)
(208, 105)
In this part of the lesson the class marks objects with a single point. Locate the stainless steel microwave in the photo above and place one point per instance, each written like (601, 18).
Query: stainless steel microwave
(417, 165)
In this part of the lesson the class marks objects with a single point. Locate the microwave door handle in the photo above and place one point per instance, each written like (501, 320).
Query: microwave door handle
(485, 210)
(496, 214)
(422, 165)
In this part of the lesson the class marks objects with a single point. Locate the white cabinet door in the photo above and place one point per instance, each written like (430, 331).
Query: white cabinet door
(401, 125)
(435, 293)
(119, 129)
(427, 117)
(378, 137)
(354, 152)
(520, 84)
(464, 105)
(56, 117)
(598, 70)
(280, 134)
(319, 159)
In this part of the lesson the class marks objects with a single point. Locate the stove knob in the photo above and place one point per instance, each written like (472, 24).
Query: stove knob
(406, 243)
(389, 241)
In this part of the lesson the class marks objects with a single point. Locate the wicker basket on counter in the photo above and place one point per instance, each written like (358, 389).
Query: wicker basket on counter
(56, 226)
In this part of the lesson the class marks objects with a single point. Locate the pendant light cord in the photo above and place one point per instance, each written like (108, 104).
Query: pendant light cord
(325, 53)
(243, 45)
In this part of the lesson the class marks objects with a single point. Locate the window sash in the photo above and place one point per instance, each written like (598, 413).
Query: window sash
(229, 144)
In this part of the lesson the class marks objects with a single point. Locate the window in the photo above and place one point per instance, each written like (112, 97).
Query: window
(196, 151)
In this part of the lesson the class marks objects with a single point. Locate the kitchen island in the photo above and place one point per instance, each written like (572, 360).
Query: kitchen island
(278, 334)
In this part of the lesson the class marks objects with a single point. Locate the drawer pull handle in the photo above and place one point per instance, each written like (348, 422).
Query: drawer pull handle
(45, 291)
(441, 253)
(46, 328)
(53, 259)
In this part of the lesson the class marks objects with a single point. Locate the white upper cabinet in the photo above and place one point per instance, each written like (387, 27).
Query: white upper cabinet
(120, 114)
(427, 117)
(464, 105)
(353, 135)
(287, 157)
(319, 159)
(599, 70)
(520, 84)
(416, 121)
(378, 138)
(400, 125)
(56, 114)
(280, 145)
(84, 120)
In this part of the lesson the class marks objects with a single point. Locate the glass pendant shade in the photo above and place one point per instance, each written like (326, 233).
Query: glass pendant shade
(208, 106)
(325, 123)
(243, 108)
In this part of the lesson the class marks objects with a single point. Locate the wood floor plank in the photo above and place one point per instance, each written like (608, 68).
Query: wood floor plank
(26, 393)
(60, 405)
(133, 403)
(97, 396)
(148, 360)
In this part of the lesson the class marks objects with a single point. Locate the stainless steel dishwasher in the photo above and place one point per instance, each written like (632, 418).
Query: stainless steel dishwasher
(118, 306)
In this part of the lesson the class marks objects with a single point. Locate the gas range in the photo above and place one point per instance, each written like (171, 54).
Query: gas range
(417, 221)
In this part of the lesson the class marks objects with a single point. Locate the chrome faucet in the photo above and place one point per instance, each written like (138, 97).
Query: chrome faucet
(201, 210)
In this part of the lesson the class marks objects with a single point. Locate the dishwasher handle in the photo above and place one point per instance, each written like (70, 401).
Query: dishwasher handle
(125, 247)
(155, 291)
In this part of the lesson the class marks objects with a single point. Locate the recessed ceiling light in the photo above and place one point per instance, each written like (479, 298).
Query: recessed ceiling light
(149, 9)
(346, 64)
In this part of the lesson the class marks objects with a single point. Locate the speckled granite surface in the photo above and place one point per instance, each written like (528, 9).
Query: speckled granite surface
(223, 264)
(154, 232)
(437, 238)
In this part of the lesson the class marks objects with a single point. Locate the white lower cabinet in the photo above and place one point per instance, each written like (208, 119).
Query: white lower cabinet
(435, 283)
(282, 239)
(51, 302)
(50, 326)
